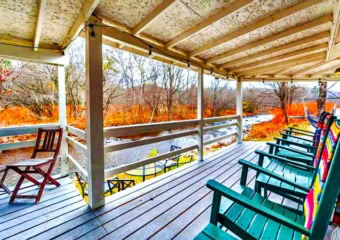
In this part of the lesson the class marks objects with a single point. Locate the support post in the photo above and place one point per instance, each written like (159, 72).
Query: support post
(239, 110)
(200, 110)
(94, 115)
(64, 164)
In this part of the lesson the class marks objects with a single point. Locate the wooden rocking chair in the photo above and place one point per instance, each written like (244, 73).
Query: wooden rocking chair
(251, 216)
(35, 165)
(4, 170)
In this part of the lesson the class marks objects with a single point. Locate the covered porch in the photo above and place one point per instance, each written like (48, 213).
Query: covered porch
(176, 205)
(266, 41)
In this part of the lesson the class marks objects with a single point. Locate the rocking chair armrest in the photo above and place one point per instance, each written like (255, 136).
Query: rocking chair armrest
(265, 171)
(301, 130)
(281, 159)
(299, 138)
(307, 154)
(300, 133)
(251, 205)
(295, 143)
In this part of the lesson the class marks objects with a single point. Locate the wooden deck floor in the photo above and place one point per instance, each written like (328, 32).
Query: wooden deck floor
(173, 206)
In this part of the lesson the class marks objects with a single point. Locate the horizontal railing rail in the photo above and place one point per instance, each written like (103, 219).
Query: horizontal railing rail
(77, 132)
(146, 128)
(127, 167)
(78, 167)
(77, 145)
(220, 119)
(21, 130)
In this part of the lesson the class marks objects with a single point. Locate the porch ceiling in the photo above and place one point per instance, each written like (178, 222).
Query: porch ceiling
(248, 38)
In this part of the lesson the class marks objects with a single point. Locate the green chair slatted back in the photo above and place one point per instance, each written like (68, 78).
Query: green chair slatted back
(321, 199)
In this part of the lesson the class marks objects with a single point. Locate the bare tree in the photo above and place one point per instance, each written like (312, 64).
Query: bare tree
(321, 101)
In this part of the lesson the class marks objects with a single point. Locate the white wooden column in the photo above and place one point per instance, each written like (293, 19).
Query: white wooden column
(94, 115)
(200, 111)
(239, 110)
(63, 120)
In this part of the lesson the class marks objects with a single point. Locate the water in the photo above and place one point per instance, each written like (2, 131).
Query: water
(132, 155)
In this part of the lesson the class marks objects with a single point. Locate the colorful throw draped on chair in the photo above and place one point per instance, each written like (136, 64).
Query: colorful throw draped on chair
(312, 201)
(322, 124)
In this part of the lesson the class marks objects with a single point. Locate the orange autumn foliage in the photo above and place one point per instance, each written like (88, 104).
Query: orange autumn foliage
(271, 129)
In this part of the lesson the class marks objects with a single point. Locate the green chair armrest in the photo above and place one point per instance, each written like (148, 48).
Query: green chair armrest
(300, 138)
(307, 154)
(309, 147)
(301, 130)
(281, 159)
(297, 132)
(263, 170)
(247, 203)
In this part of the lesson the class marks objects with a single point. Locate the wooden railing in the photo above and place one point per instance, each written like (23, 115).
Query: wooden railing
(123, 131)
(20, 130)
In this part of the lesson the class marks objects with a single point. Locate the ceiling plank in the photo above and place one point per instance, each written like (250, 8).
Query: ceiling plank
(323, 71)
(334, 29)
(305, 70)
(269, 20)
(84, 15)
(206, 23)
(282, 57)
(152, 16)
(290, 62)
(289, 32)
(39, 23)
(277, 49)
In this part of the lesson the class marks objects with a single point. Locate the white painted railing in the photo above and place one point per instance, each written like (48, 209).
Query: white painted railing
(21, 130)
(123, 131)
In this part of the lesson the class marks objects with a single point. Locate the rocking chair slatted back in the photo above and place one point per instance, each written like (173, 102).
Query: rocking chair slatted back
(48, 135)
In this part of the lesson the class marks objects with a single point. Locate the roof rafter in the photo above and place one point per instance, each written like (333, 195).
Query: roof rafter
(334, 29)
(277, 49)
(152, 16)
(39, 23)
(269, 20)
(303, 71)
(319, 47)
(133, 42)
(206, 23)
(84, 15)
(272, 38)
(282, 71)
(291, 62)
(317, 73)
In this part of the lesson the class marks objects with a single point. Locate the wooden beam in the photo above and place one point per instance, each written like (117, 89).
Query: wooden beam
(64, 164)
(239, 111)
(39, 23)
(334, 29)
(269, 20)
(206, 23)
(304, 59)
(303, 71)
(282, 71)
(281, 79)
(317, 73)
(317, 48)
(276, 49)
(152, 16)
(200, 113)
(94, 117)
(133, 42)
(84, 15)
(26, 54)
(272, 38)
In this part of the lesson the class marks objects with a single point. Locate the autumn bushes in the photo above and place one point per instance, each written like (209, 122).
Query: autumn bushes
(268, 130)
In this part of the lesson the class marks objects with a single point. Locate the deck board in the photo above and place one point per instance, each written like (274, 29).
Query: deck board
(175, 205)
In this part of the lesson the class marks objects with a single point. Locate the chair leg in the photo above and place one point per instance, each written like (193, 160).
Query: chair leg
(47, 177)
(17, 187)
(2, 185)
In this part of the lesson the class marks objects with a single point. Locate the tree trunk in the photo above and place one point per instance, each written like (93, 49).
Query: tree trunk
(321, 101)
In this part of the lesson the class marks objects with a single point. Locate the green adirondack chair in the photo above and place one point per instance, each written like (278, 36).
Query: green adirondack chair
(299, 149)
(292, 179)
(249, 215)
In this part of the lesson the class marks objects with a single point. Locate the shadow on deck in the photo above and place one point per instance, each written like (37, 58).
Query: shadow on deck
(173, 206)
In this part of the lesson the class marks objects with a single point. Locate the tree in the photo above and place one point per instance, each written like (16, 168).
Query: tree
(321, 101)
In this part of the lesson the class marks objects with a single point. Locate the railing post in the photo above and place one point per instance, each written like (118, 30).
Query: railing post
(94, 114)
(64, 165)
(239, 110)
(200, 110)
